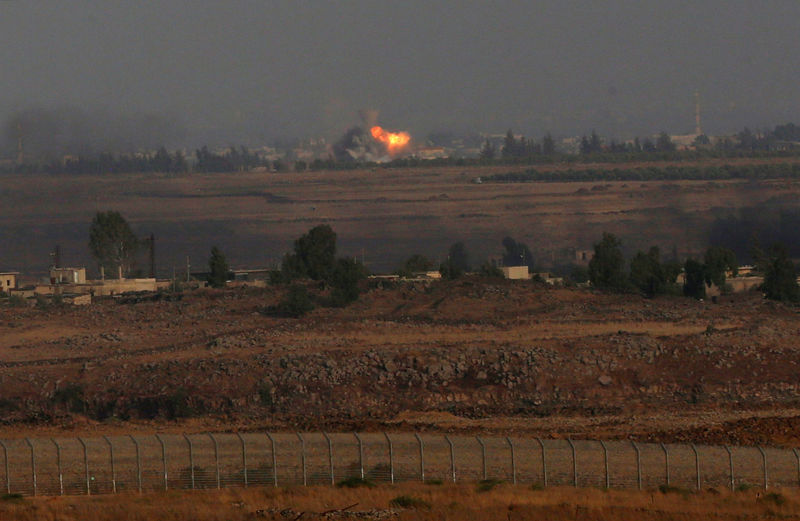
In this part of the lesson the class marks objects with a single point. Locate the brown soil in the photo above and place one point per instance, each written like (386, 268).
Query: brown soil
(555, 362)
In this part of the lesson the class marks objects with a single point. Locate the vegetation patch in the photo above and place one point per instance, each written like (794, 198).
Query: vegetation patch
(410, 502)
(485, 485)
(355, 483)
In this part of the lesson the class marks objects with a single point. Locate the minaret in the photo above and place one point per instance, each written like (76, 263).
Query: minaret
(697, 129)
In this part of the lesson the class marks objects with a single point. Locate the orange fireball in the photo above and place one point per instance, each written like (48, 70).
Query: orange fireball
(395, 141)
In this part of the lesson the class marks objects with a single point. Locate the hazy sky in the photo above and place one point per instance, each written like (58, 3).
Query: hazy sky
(243, 71)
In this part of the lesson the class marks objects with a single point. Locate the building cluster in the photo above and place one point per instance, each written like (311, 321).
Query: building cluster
(72, 286)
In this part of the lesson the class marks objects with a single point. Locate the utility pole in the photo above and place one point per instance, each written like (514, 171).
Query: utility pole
(152, 256)
(697, 129)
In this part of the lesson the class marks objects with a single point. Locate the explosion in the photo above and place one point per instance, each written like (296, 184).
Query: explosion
(395, 142)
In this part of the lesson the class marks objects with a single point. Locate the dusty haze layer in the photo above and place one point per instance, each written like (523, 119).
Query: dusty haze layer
(246, 71)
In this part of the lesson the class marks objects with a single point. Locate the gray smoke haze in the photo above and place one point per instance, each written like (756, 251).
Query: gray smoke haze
(247, 71)
(51, 133)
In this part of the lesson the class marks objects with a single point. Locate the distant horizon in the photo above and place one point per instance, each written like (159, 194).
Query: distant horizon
(246, 72)
(92, 132)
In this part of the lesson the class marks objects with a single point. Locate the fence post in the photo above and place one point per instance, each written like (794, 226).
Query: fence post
(797, 456)
(58, 463)
(421, 457)
(574, 464)
(360, 454)
(544, 463)
(216, 458)
(274, 460)
(244, 457)
(638, 465)
(163, 458)
(483, 455)
(191, 458)
(513, 462)
(330, 457)
(113, 466)
(730, 465)
(605, 462)
(452, 458)
(666, 462)
(33, 465)
(764, 464)
(5, 458)
(86, 466)
(391, 457)
(696, 465)
(138, 462)
(303, 457)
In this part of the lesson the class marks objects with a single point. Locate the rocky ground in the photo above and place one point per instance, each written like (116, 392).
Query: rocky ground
(471, 355)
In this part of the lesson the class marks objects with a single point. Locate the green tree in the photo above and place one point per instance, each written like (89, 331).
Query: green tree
(297, 302)
(606, 269)
(780, 275)
(344, 281)
(218, 269)
(314, 255)
(458, 256)
(664, 143)
(548, 145)
(694, 284)
(648, 274)
(487, 151)
(415, 264)
(516, 253)
(509, 145)
(489, 270)
(718, 261)
(112, 243)
(457, 262)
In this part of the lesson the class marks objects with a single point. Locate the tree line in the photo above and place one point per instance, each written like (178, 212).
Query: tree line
(780, 141)
(650, 275)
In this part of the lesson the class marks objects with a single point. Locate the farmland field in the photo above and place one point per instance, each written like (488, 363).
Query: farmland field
(381, 215)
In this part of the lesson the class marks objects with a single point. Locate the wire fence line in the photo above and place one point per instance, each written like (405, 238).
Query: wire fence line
(112, 464)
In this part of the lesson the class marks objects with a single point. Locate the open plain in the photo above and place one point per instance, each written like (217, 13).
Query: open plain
(382, 215)
(475, 355)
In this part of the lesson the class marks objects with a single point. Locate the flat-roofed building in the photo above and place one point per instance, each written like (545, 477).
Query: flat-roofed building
(8, 280)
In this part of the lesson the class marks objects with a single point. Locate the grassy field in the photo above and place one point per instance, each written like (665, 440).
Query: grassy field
(381, 214)
(419, 502)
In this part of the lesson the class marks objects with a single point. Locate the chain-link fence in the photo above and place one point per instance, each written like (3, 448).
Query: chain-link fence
(111, 464)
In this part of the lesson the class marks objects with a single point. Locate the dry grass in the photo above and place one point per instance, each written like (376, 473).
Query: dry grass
(461, 502)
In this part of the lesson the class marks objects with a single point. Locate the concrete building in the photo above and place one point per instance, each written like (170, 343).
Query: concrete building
(8, 281)
(67, 275)
(515, 272)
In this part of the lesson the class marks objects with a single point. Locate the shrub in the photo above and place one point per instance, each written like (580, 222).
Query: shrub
(409, 502)
(485, 485)
(774, 498)
(434, 482)
(265, 394)
(355, 483)
(297, 302)
(669, 489)
(71, 397)
(16, 301)
(12, 497)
